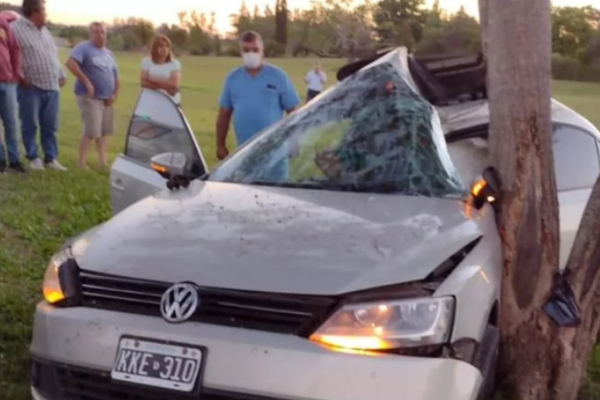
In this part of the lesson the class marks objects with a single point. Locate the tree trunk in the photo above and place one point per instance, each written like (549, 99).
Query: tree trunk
(539, 360)
(521, 147)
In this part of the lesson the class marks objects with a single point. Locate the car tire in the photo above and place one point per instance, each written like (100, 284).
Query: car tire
(486, 359)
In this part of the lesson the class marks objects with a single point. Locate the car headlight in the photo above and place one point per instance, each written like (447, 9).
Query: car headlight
(60, 280)
(389, 325)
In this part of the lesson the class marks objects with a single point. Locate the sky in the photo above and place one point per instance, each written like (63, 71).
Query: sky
(158, 11)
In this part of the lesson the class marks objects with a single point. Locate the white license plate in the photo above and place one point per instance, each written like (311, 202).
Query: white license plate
(159, 365)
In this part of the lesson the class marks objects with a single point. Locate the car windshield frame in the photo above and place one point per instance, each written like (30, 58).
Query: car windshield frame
(378, 102)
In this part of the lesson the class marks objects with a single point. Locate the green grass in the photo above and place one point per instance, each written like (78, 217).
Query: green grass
(41, 210)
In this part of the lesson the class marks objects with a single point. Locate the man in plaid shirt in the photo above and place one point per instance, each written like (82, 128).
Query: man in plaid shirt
(39, 89)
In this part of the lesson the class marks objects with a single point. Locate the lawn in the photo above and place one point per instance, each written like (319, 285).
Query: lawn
(41, 210)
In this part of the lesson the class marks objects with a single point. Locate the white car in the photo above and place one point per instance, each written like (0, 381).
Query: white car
(365, 267)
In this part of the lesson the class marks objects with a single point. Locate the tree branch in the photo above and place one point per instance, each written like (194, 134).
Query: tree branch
(584, 261)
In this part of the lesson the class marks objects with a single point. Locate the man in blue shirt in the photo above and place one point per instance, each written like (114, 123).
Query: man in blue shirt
(256, 95)
(96, 89)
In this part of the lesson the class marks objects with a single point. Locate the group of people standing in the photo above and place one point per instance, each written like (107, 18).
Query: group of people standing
(30, 80)
(255, 95)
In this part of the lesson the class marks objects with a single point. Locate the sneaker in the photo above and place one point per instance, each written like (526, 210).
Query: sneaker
(16, 167)
(36, 164)
(55, 166)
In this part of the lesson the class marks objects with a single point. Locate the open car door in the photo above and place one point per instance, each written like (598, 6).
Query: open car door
(157, 126)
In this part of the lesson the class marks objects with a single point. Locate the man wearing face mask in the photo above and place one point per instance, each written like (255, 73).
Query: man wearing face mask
(256, 95)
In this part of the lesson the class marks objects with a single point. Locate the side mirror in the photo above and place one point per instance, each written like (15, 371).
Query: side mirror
(173, 167)
(487, 189)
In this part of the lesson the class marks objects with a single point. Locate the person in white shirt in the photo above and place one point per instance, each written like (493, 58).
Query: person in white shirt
(315, 81)
(162, 71)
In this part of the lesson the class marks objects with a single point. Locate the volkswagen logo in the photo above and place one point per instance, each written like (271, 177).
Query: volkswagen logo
(179, 303)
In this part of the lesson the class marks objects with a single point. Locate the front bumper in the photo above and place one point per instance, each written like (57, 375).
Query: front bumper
(244, 364)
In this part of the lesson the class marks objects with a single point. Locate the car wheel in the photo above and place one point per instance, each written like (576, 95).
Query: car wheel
(486, 360)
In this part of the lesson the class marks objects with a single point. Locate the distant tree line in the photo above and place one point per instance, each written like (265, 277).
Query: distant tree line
(351, 29)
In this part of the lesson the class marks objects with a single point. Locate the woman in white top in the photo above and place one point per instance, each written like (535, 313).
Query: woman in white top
(161, 71)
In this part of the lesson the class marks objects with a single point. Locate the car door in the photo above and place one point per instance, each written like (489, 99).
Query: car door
(577, 166)
(157, 126)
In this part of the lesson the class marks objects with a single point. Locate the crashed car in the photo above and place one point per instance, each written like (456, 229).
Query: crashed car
(367, 268)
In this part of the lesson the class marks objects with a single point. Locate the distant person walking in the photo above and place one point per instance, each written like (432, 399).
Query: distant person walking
(161, 71)
(39, 89)
(10, 74)
(257, 95)
(315, 81)
(97, 89)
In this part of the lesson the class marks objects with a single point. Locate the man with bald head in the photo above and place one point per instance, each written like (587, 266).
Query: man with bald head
(97, 88)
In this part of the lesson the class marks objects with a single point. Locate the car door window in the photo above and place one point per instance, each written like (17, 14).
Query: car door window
(575, 158)
(158, 126)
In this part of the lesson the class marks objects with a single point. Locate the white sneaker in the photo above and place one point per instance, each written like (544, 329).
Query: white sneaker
(37, 165)
(56, 166)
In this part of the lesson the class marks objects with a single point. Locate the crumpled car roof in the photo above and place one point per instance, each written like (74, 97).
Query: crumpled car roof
(418, 136)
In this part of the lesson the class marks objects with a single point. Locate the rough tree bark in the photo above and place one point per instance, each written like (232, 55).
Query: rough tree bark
(539, 360)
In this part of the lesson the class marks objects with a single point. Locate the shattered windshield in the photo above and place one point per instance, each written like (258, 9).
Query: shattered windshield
(371, 133)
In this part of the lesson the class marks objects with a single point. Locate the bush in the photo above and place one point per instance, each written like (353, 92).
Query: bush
(569, 69)
(74, 41)
(200, 51)
(274, 49)
(231, 51)
(116, 42)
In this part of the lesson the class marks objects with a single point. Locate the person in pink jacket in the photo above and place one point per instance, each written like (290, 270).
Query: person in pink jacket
(10, 74)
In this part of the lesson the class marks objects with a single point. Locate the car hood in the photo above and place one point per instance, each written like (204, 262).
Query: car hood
(278, 240)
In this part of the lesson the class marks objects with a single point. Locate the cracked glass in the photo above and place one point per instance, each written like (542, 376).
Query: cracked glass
(370, 133)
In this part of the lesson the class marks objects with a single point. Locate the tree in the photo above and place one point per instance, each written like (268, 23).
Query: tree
(573, 28)
(344, 29)
(243, 20)
(457, 34)
(75, 33)
(201, 33)
(400, 22)
(593, 49)
(483, 20)
(540, 359)
(178, 35)
(144, 31)
(8, 6)
(116, 42)
(256, 14)
(281, 21)
(268, 12)
(126, 29)
(434, 16)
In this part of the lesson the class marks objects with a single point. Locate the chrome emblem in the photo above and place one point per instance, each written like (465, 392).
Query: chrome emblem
(179, 303)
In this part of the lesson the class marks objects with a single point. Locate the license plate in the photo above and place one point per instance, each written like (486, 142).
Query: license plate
(150, 363)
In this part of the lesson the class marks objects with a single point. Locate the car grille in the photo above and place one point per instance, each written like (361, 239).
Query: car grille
(290, 314)
(68, 383)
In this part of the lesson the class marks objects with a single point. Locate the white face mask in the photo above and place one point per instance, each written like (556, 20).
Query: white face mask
(252, 60)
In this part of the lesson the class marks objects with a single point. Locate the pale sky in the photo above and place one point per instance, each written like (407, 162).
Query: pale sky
(158, 11)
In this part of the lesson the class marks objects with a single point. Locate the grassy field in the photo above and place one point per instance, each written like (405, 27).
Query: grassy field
(39, 211)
